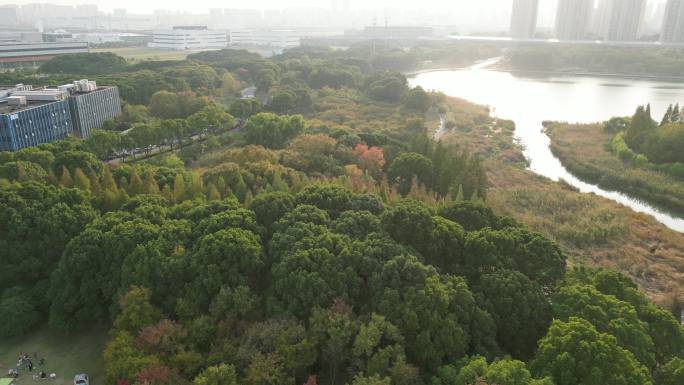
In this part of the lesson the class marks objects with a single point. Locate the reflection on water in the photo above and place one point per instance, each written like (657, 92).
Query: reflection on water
(614, 85)
(529, 102)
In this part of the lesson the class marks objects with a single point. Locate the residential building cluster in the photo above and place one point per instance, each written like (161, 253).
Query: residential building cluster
(29, 117)
(607, 20)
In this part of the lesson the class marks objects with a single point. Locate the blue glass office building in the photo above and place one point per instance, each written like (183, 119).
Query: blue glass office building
(89, 110)
(34, 124)
(70, 112)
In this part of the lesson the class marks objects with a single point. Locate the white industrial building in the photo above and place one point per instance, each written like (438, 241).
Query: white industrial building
(189, 38)
(272, 38)
(23, 54)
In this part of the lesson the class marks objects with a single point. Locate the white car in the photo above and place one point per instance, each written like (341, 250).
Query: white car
(81, 379)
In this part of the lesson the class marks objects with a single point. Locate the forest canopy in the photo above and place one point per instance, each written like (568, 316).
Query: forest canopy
(313, 234)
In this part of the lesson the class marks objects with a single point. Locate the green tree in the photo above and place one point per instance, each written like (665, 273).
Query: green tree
(108, 182)
(513, 248)
(103, 143)
(23, 171)
(286, 341)
(175, 130)
(72, 159)
(472, 216)
(92, 63)
(672, 373)
(164, 105)
(641, 126)
(33, 154)
(314, 154)
(222, 374)
(18, 313)
(372, 380)
(57, 214)
(388, 87)
(607, 315)
(378, 351)
(233, 256)
(179, 188)
(80, 180)
(615, 125)
(145, 135)
(418, 100)
(356, 224)
(334, 330)
(273, 131)
(94, 181)
(212, 118)
(136, 311)
(408, 166)
(267, 370)
(520, 310)
(135, 185)
(282, 102)
(271, 207)
(475, 370)
(86, 280)
(65, 180)
(333, 199)
(245, 108)
(122, 361)
(213, 193)
(437, 314)
(150, 185)
(568, 354)
(665, 331)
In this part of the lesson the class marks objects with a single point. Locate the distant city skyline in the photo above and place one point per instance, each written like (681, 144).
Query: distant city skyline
(547, 7)
(465, 17)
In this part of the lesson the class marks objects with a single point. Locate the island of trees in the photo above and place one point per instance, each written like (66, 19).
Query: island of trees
(636, 155)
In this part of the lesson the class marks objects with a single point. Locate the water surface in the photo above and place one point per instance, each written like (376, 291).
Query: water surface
(530, 101)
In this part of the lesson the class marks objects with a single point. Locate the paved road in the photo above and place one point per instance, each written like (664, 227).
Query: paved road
(249, 93)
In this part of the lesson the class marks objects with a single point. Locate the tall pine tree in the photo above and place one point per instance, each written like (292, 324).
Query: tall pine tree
(81, 180)
(640, 128)
(667, 118)
(65, 180)
(108, 183)
(135, 186)
(150, 185)
(179, 188)
(95, 186)
(213, 193)
(676, 116)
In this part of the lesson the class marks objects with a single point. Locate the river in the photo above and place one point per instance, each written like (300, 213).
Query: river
(530, 101)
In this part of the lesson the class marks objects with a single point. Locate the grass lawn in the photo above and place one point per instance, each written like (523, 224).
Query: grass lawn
(65, 355)
(138, 54)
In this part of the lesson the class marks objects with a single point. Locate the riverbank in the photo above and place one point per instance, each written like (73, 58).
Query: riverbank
(506, 67)
(662, 63)
(580, 147)
(480, 64)
(590, 229)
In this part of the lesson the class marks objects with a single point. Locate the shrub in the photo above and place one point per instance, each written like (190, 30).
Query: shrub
(18, 314)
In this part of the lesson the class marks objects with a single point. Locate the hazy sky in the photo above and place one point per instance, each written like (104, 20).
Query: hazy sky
(201, 6)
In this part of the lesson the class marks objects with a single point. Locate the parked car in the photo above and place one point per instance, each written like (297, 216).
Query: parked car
(81, 379)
